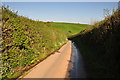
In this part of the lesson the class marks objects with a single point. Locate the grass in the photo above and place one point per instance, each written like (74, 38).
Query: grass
(70, 28)
(27, 42)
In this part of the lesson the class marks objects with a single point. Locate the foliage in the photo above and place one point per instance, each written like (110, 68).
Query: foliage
(26, 42)
(100, 47)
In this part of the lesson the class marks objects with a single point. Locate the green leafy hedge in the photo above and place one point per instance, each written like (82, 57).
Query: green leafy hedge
(100, 47)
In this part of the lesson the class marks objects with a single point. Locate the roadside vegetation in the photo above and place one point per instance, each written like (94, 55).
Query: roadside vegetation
(27, 42)
(100, 45)
(0, 41)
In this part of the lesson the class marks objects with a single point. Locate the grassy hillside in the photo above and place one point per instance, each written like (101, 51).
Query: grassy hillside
(27, 42)
(70, 28)
(100, 47)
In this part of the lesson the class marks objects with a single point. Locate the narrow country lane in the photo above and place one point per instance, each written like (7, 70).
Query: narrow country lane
(55, 66)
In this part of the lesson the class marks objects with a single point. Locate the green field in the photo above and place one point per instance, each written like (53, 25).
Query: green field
(70, 28)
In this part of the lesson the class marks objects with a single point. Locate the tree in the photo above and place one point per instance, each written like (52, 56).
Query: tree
(106, 12)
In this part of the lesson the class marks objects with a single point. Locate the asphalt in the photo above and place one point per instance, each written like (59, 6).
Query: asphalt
(55, 66)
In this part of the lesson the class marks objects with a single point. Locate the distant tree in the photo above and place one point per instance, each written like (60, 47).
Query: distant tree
(49, 24)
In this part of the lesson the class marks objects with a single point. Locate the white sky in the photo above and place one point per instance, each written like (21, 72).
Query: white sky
(59, 0)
